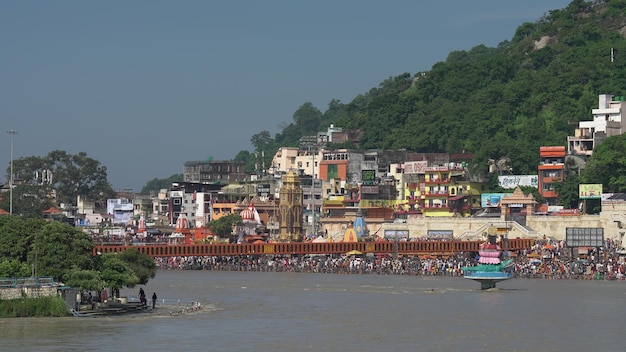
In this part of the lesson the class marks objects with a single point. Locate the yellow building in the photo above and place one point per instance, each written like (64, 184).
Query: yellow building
(438, 191)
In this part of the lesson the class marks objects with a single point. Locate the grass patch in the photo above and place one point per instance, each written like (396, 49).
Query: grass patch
(33, 307)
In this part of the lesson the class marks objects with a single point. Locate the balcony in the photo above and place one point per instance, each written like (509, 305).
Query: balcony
(412, 198)
(437, 181)
(436, 206)
(436, 193)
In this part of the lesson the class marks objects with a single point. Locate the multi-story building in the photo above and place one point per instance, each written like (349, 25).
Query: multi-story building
(441, 193)
(214, 171)
(292, 158)
(337, 135)
(193, 200)
(122, 210)
(551, 171)
(607, 121)
(438, 187)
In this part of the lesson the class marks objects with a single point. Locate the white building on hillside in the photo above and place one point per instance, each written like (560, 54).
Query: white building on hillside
(607, 121)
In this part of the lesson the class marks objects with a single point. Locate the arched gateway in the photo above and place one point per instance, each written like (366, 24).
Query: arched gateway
(515, 206)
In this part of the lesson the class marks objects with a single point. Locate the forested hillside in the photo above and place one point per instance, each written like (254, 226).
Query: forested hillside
(531, 90)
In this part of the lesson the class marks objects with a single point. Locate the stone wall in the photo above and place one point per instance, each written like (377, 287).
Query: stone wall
(612, 219)
(7, 293)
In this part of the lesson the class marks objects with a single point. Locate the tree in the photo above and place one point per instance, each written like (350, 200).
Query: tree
(29, 201)
(568, 192)
(13, 268)
(85, 280)
(17, 237)
(223, 226)
(142, 264)
(308, 119)
(157, 184)
(607, 165)
(68, 175)
(59, 248)
(115, 272)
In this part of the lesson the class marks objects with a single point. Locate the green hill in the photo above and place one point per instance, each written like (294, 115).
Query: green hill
(529, 91)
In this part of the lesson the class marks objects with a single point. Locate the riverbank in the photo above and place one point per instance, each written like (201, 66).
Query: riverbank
(545, 260)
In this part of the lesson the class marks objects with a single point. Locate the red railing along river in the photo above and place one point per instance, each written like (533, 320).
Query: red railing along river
(409, 247)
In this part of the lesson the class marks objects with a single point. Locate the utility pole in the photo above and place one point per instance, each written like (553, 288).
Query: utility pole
(313, 193)
(12, 133)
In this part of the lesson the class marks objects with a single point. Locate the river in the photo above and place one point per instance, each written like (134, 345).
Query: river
(254, 311)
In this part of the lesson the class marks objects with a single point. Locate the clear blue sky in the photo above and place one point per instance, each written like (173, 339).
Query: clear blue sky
(144, 85)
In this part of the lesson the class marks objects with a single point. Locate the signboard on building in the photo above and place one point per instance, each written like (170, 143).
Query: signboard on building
(263, 190)
(590, 191)
(490, 200)
(584, 236)
(415, 167)
(370, 189)
(513, 181)
(396, 234)
(368, 177)
(176, 194)
(554, 208)
(439, 234)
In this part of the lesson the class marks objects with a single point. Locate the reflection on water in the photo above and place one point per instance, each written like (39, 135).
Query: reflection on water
(284, 311)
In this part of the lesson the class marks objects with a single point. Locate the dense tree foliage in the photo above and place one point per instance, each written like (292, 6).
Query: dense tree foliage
(607, 165)
(85, 280)
(69, 176)
(29, 201)
(498, 102)
(54, 248)
(142, 265)
(59, 248)
(223, 226)
(116, 272)
(157, 184)
(568, 192)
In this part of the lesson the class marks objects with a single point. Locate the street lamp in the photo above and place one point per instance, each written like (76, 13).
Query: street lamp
(12, 133)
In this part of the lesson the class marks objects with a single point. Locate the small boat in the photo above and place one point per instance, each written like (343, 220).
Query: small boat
(490, 269)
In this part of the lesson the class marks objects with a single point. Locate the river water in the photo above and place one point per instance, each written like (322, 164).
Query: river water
(253, 311)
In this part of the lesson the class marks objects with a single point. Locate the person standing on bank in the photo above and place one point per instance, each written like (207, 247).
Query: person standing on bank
(154, 298)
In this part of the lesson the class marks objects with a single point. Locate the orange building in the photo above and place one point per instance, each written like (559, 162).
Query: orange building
(551, 171)
(333, 169)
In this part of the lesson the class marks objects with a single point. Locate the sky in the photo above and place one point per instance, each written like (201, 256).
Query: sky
(144, 85)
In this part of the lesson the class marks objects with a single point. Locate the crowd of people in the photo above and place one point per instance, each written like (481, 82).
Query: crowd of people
(546, 259)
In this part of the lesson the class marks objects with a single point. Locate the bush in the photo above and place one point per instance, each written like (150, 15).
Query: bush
(33, 307)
